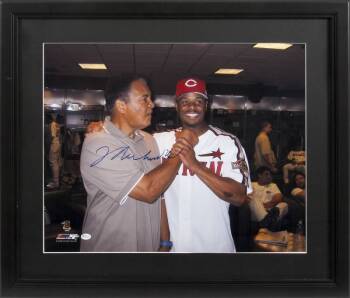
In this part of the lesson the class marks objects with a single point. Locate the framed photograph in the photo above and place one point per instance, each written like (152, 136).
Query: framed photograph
(258, 90)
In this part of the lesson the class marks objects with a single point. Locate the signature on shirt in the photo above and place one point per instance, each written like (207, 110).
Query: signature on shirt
(125, 153)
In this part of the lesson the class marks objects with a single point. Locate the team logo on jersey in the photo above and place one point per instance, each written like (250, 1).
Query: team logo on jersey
(214, 166)
(214, 154)
(240, 165)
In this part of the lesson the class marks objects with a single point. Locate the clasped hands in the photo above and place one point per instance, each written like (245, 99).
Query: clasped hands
(183, 147)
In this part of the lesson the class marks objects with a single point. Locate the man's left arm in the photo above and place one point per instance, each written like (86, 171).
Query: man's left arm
(225, 188)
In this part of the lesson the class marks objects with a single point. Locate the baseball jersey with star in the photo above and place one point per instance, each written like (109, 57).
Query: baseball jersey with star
(198, 219)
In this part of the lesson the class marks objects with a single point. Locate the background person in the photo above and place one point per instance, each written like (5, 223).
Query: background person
(296, 201)
(296, 162)
(267, 200)
(264, 155)
(298, 189)
(55, 158)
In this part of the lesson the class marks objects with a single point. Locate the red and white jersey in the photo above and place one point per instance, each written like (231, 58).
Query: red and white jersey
(198, 219)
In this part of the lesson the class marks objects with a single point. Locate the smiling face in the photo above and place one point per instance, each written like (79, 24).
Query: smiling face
(137, 109)
(191, 108)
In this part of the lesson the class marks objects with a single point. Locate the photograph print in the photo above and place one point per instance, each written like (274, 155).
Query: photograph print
(174, 148)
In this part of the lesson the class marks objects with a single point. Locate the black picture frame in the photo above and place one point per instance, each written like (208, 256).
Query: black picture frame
(22, 276)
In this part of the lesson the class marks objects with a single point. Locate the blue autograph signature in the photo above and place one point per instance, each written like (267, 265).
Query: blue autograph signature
(124, 153)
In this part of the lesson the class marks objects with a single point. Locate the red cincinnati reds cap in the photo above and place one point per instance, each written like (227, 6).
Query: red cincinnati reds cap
(191, 85)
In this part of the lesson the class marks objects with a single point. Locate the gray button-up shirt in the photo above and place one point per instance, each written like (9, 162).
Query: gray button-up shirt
(111, 165)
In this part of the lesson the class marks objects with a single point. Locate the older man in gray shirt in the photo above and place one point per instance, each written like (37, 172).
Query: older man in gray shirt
(122, 174)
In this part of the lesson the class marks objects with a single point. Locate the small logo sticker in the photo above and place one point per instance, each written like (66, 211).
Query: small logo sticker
(67, 238)
(85, 236)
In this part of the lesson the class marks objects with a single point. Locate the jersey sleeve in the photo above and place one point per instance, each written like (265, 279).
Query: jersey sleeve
(237, 167)
(111, 175)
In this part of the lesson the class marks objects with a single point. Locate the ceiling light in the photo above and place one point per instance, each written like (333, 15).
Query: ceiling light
(274, 46)
(73, 106)
(92, 66)
(228, 71)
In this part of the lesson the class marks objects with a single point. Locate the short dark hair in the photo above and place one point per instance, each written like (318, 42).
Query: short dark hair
(298, 173)
(119, 87)
(261, 170)
(264, 124)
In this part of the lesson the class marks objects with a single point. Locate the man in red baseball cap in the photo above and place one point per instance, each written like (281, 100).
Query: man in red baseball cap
(214, 175)
(192, 104)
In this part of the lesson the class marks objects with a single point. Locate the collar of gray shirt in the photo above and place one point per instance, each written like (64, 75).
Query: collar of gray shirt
(115, 131)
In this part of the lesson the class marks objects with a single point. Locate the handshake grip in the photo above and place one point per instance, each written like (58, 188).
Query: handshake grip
(189, 135)
(185, 141)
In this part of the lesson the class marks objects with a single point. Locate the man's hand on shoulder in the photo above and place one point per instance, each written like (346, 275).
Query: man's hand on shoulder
(94, 127)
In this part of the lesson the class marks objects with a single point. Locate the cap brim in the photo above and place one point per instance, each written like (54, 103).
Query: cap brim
(200, 93)
(204, 95)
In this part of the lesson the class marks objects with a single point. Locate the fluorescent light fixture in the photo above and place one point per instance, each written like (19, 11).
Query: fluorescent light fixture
(55, 106)
(228, 71)
(92, 66)
(73, 106)
(273, 46)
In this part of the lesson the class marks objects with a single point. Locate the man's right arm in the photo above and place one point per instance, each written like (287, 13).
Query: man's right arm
(155, 182)
(270, 162)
